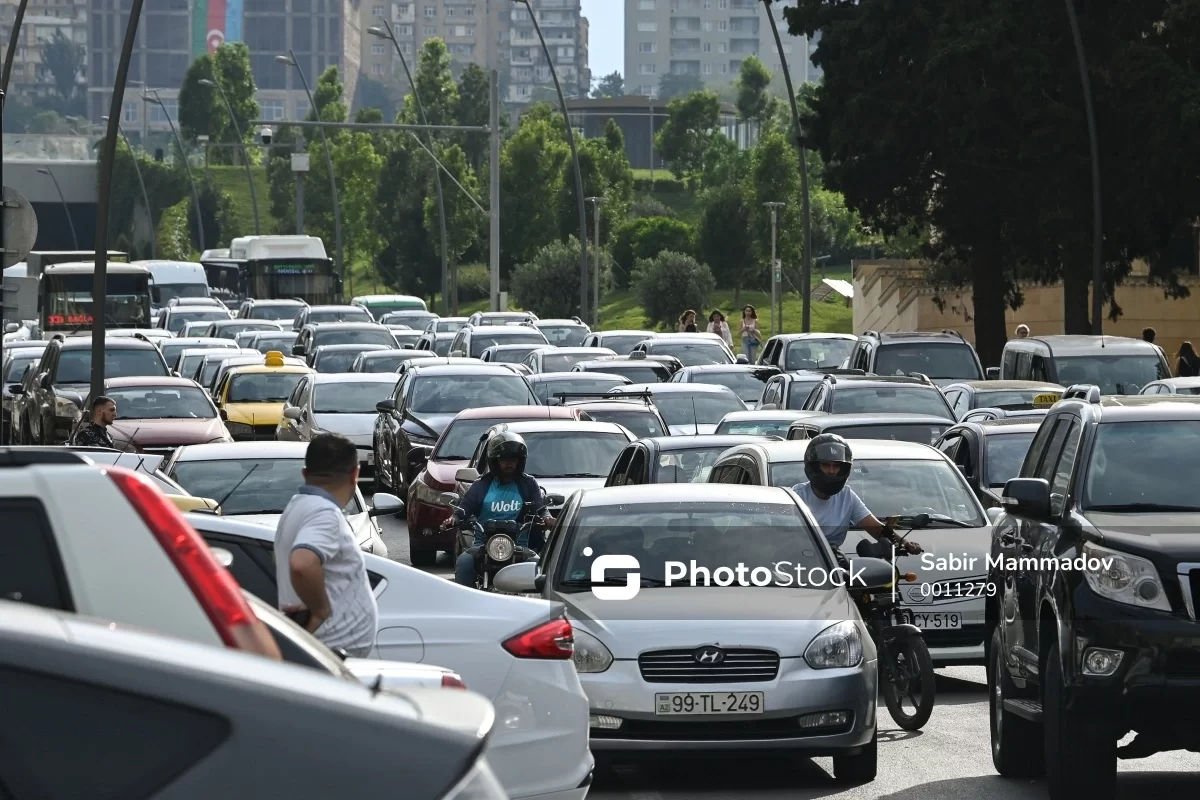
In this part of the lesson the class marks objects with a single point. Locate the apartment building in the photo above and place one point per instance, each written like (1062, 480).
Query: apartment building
(708, 39)
(30, 76)
(566, 32)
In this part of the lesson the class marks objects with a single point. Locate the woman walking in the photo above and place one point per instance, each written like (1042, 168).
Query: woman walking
(718, 325)
(1188, 365)
(749, 331)
(687, 322)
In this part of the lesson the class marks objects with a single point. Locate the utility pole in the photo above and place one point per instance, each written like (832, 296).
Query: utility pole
(776, 313)
(494, 199)
(596, 201)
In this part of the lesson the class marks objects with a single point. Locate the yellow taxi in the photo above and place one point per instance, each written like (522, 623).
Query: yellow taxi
(251, 397)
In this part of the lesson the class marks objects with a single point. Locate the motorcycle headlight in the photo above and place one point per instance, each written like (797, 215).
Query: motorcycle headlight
(837, 646)
(1123, 578)
(590, 653)
(500, 548)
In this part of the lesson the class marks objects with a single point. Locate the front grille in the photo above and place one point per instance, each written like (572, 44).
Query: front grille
(967, 636)
(715, 729)
(264, 431)
(680, 666)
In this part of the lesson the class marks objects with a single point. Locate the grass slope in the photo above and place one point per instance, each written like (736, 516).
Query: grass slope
(232, 181)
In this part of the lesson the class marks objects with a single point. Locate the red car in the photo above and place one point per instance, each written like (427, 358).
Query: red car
(158, 414)
(451, 453)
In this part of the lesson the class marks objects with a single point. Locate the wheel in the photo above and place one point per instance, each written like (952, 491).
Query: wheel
(1017, 743)
(421, 558)
(910, 698)
(1080, 748)
(859, 768)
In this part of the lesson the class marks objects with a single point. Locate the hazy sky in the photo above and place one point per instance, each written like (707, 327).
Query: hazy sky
(606, 37)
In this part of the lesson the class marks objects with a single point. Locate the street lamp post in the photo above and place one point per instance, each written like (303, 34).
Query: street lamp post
(290, 60)
(141, 184)
(776, 314)
(386, 32)
(241, 141)
(596, 202)
(583, 266)
(13, 37)
(188, 167)
(63, 199)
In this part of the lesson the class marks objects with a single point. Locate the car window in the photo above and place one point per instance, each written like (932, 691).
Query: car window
(1005, 452)
(622, 345)
(249, 567)
(1049, 461)
(928, 358)
(248, 485)
(693, 354)
(889, 400)
(679, 408)
(950, 445)
(481, 342)
(1124, 374)
(787, 473)
(377, 336)
(564, 335)
(903, 487)
(562, 362)
(262, 387)
(687, 466)
(746, 384)
(30, 568)
(349, 397)
(921, 433)
(545, 390)
(451, 394)
(755, 427)
(572, 454)
(636, 473)
(162, 402)
(800, 393)
(75, 366)
(1140, 463)
(817, 353)
(642, 423)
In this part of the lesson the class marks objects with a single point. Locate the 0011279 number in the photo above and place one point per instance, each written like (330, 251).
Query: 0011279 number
(709, 703)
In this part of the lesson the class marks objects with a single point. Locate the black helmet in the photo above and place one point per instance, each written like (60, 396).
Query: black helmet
(827, 448)
(506, 445)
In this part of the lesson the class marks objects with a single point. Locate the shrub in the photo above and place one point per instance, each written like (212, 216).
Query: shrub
(646, 207)
(645, 239)
(172, 238)
(474, 282)
(549, 283)
(670, 284)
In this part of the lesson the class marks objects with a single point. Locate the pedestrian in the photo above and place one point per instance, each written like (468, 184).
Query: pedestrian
(1022, 331)
(1188, 365)
(749, 331)
(718, 325)
(1148, 334)
(321, 572)
(687, 322)
(93, 432)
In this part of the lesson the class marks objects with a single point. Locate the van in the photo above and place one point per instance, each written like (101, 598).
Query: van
(1117, 364)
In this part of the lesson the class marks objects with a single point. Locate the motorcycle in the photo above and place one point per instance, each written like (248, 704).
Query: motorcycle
(906, 666)
(499, 548)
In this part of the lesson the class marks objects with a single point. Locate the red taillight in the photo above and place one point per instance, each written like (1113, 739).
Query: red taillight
(452, 681)
(551, 640)
(215, 589)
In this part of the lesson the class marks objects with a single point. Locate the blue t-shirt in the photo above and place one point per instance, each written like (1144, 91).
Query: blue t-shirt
(502, 503)
(834, 515)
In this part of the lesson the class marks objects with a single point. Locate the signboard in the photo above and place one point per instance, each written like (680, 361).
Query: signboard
(299, 162)
(70, 319)
(292, 269)
(1046, 400)
(20, 227)
(778, 270)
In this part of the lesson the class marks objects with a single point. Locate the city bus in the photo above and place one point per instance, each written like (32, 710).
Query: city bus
(286, 268)
(65, 297)
(224, 276)
(380, 304)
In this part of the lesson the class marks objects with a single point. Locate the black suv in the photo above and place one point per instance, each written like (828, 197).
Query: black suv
(873, 394)
(1095, 568)
(946, 357)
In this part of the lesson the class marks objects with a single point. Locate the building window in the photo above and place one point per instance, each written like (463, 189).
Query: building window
(431, 30)
(646, 5)
(302, 108)
(157, 115)
(722, 4)
(648, 27)
(271, 109)
(708, 47)
(721, 47)
(647, 47)
(405, 30)
(647, 69)
(129, 113)
(377, 69)
(722, 25)
(708, 24)
(377, 50)
(377, 12)
(430, 11)
(708, 69)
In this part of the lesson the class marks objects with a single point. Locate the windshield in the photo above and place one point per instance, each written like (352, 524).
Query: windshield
(188, 364)
(163, 293)
(545, 390)
(799, 392)
(564, 335)
(17, 366)
(902, 487)
(1005, 454)
(441, 346)
(642, 424)
(211, 365)
(746, 384)
(347, 314)
(1010, 398)
(687, 466)
(231, 331)
(449, 326)
(462, 437)
(268, 486)
(513, 356)
(282, 343)
(698, 409)
(756, 427)
(1140, 463)
(930, 359)
(693, 354)
(817, 353)
(275, 312)
(710, 534)
(890, 400)
(75, 366)
(450, 394)
(482, 342)
(381, 336)
(67, 300)
(573, 454)
(906, 432)
(335, 360)
(622, 345)
(348, 397)
(178, 319)
(262, 387)
(417, 320)
(402, 338)
(381, 309)
(562, 362)
(388, 362)
(637, 373)
(1113, 374)
(162, 402)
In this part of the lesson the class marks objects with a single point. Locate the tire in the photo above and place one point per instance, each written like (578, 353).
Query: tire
(1017, 744)
(421, 558)
(858, 769)
(920, 686)
(1080, 748)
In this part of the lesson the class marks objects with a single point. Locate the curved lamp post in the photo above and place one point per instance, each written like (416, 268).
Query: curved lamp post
(583, 261)
(290, 60)
(154, 98)
(242, 142)
(13, 38)
(141, 184)
(63, 199)
(385, 32)
(1097, 205)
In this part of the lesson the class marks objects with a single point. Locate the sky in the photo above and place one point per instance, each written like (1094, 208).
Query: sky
(606, 37)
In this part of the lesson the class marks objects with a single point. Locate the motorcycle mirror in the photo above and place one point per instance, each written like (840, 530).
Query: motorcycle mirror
(920, 520)
(871, 574)
(555, 499)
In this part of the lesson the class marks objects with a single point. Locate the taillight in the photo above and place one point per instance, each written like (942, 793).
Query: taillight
(214, 588)
(452, 681)
(551, 640)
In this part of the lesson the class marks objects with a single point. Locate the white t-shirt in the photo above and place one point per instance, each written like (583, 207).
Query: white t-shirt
(834, 515)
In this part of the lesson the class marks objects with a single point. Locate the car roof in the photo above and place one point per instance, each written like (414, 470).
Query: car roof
(792, 451)
(277, 302)
(345, 326)
(880, 380)
(770, 413)
(1065, 344)
(522, 346)
(1135, 408)
(259, 369)
(503, 330)
(265, 324)
(110, 342)
(792, 337)
(552, 377)
(1180, 382)
(202, 341)
(917, 336)
(655, 493)
(600, 364)
(384, 351)
(362, 348)
(1006, 425)
(633, 404)
(983, 386)
(672, 388)
(730, 368)
(336, 307)
(232, 451)
(704, 440)
(444, 370)
(359, 377)
(570, 426)
(517, 412)
(683, 338)
(879, 418)
(571, 322)
(573, 351)
(157, 380)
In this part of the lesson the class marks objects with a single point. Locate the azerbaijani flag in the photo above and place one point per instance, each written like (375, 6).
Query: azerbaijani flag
(216, 24)
(199, 28)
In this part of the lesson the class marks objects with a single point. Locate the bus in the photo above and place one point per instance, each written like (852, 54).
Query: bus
(286, 267)
(65, 297)
(224, 276)
(172, 279)
(380, 304)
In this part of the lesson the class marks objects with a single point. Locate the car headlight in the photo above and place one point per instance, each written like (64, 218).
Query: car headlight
(500, 548)
(837, 646)
(1123, 578)
(239, 429)
(590, 653)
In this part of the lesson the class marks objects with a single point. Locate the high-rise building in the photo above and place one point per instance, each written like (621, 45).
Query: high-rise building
(708, 39)
(44, 19)
(566, 32)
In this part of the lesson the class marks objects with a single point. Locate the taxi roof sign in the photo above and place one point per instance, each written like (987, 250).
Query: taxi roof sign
(273, 358)
(1046, 400)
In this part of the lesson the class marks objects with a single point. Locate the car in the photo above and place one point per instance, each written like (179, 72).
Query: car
(314, 336)
(970, 395)
(197, 329)
(254, 481)
(331, 358)
(406, 339)
(171, 348)
(174, 318)
(230, 328)
(320, 315)
(1117, 364)
(562, 359)
(266, 341)
(156, 415)
(789, 391)
(638, 415)
(985, 414)
(1093, 627)
(619, 341)
(637, 367)
(746, 380)
(921, 428)
(438, 361)
(1183, 386)
(793, 352)
(946, 357)
(204, 371)
(446, 325)
(553, 388)
(438, 466)
(13, 363)
(428, 398)
(989, 454)
(380, 304)
(760, 423)
(282, 311)
(437, 343)
(504, 648)
(749, 660)
(688, 408)
(691, 351)
(250, 396)
(508, 354)
(874, 394)
(491, 318)
(343, 404)
(385, 360)
(149, 465)
(472, 340)
(195, 301)
(564, 332)
(671, 459)
(414, 318)
(145, 334)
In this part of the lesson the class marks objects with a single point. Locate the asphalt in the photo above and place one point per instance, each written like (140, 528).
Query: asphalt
(950, 759)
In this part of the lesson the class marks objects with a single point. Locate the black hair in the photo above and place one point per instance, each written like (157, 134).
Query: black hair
(1149, 334)
(330, 455)
(99, 401)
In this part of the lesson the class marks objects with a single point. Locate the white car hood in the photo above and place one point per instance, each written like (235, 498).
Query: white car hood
(353, 426)
(568, 486)
(359, 523)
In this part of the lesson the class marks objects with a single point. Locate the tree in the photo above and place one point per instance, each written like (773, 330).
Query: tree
(690, 127)
(672, 85)
(358, 166)
(462, 217)
(434, 80)
(532, 168)
(197, 103)
(611, 85)
(725, 240)
(775, 178)
(549, 281)
(644, 239)
(474, 108)
(614, 137)
(670, 284)
(231, 68)
(408, 260)
(754, 102)
(64, 59)
(376, 94)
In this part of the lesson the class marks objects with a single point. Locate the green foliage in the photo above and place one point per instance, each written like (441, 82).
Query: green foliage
(611, 85)
(474, 282)
(643, 239)
(165, 184)
(64, 59)
(725, 240)
(474, 108)
(408, 261)
(614, 137)
(197, 103)
(775, 178)
(435, 83)
(202, 111)
(216, 211)
(663, 183)
(461, 214)
(173, 237)
(549, 282)
(754, 101)
(670, 284)
(724, 163)
(377, 95)
(357, 166)
(690, 127)
(532, 167)
(644, 207)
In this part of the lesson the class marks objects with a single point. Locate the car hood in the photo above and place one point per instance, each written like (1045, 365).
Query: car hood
(174, 432)
(691, 430)
(777, 618)
(353, 426)
(568, 486)
(435, 422)
(1173, 535)
(444, 471)
(255, 413)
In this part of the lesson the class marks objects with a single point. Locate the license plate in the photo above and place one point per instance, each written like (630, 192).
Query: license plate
(938, 622)
(698, 703)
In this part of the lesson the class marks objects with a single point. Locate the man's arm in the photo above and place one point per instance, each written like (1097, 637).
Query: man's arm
(871, 524)
(308, 581)
(471, 505)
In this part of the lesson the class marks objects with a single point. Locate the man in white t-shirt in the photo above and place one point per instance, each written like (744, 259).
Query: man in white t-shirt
(322, 575)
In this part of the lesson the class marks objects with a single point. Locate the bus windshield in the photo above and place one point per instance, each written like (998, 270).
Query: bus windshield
(67, 301)
(310, 280)
(163, 293)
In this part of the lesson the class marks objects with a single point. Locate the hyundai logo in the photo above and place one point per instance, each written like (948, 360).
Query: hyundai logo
(709, 656)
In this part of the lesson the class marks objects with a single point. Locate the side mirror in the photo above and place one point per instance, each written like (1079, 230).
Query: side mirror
(993, 373)
(458, 353)
(417, 456)
(292, 413)
(868, 574)
(993, 514)
(555, 499)
(16, 388)
(519, 579)
(297, 349)
(743, 360)
(384, 504)
(12, 327)
(466, 475)
(224, 414)
(386, 406)
(1029, 497)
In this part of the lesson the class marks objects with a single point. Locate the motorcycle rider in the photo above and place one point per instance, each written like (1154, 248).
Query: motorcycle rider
(499, 496)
